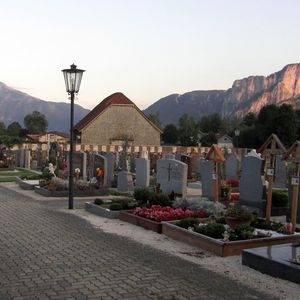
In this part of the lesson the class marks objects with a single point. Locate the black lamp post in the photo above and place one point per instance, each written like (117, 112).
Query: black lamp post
(237, 133)
(72, 80)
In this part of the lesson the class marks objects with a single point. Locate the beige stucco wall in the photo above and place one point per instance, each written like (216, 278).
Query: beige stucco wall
(118, 122)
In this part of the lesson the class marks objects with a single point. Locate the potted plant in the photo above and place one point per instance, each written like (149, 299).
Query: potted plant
(238, 216)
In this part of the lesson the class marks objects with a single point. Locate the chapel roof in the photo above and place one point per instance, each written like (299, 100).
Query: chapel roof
(114, 99)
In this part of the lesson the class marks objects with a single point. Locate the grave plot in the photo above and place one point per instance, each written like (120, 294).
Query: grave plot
(281, 261)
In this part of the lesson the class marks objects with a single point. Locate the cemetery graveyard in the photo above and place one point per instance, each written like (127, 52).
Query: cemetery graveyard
(153, 190)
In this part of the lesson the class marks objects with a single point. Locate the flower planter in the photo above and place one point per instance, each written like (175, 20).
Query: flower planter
(101, 211)
(27, 184)
(233, 222)
(129, 217)
(219, 247)
(77, 193)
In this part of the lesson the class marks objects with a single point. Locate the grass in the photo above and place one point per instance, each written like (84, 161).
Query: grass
(10, 176)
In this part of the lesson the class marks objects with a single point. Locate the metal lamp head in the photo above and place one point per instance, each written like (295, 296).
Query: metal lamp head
(73, 78)
(237, 132)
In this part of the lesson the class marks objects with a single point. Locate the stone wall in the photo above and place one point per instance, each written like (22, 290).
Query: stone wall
(118, 122)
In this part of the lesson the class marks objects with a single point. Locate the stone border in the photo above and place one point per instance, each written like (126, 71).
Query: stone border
(25, 185)
(101, 211)
(46, 193)
(129, 217)
(218, 247)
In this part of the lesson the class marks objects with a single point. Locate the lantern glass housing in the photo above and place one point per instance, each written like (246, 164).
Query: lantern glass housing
(72, 78)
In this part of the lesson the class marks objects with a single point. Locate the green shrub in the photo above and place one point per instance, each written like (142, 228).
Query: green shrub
(188, 222)
(116, 206)
(98, 201)
(214, 230)
(160, 199)
(47, 175)
(239, 213)
(241, 232)
(280, 198)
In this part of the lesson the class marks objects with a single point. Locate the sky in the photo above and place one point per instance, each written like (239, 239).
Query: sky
(146, 49)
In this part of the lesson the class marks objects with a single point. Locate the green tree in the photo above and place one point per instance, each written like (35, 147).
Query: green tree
(154, 118)
(250, 119)
(36, 122)
(188, 131)
(2, 128)
(211, 123)
(170, 134)
(208, 139)
(13, 129)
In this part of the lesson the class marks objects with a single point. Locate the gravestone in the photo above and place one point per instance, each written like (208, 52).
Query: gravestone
(99, 161)
(172, 176)
(125, 181)
(169, 156)
(178, 156)
(231, 167)
(27, 157)
(110, 158)
(251, 184)
(17, 155)
(142, 172)
(280, 173)
(22, 158)
(207, 180)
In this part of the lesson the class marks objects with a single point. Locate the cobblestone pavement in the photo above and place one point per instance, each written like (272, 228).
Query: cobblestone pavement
(48, 254)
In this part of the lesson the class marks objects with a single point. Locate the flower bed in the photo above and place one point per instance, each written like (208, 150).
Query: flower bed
(218, 245)
(151, 218)
(109, 208)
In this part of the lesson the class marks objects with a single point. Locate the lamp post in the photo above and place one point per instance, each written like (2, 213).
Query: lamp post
(72, 78)
(237, 133)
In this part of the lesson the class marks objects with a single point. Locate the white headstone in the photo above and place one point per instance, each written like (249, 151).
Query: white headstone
(125, 181)
(142, 172)
(172, 176)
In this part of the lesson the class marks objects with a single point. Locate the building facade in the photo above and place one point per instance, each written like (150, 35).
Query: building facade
(116, 120)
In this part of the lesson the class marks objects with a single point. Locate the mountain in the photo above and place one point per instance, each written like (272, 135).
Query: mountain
(15, 105)
(246, 95)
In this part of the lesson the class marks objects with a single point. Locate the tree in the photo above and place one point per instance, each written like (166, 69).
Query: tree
(250, 119)
(211, 123)
(2, 128)
(170, 134)
(36, 122)
(13, 129)
(208, 139)
(154, 118)
(188, 131)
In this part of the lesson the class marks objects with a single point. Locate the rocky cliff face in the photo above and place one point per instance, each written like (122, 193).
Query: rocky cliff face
(246, 95)
(252, 93)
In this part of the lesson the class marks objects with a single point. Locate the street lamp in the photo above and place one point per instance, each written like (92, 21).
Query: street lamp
(72, 80)
(237, 133)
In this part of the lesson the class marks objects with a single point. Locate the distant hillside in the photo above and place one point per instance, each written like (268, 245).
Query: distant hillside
(246, 95)
(15, 105)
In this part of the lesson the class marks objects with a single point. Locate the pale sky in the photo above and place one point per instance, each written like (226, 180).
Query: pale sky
(146, 49)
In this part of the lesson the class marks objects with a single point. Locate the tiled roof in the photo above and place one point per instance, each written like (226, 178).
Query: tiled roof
(114, 99)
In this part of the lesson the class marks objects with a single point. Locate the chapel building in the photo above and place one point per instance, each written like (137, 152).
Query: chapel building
(115, 120)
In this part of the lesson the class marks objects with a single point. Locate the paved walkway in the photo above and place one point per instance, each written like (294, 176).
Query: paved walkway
(48, 254)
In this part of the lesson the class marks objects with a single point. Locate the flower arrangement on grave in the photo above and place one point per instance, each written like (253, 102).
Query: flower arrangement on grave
(225, 190)
(234, 197)
(158, 213)
(232, 183)
(236, 216)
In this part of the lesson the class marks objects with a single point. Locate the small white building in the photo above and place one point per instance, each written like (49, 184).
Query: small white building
(224, 141)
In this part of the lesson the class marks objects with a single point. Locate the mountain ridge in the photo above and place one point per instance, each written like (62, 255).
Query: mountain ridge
(246, 95)
(23, 104)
